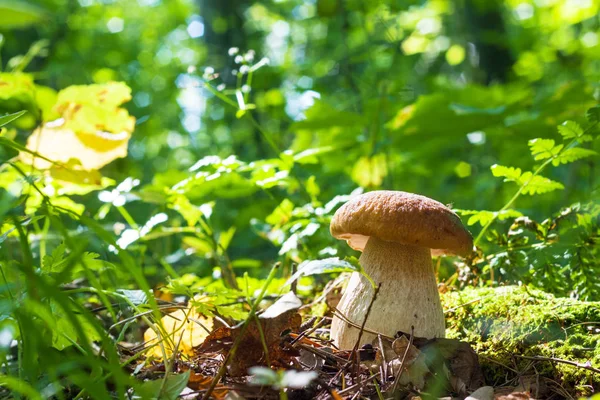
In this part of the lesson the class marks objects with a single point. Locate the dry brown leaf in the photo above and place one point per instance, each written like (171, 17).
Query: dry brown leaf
(202, 382)
(399, 346)
(465, 371)
(514, 396)
(281, 316)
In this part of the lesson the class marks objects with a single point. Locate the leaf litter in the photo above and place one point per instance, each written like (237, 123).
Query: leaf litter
(277, 352)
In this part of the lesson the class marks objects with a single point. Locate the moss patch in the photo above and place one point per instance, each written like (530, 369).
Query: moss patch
(501, 323)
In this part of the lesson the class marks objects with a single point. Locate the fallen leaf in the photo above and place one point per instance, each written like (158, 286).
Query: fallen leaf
(462, 362)
(282, 316)
(483, 393)
(184, 329)
(515, 396)
(399, 346)
(201, 382)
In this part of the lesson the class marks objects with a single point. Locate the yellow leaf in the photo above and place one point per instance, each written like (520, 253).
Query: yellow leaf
(93, 151)
(370, 172)
(184, 329)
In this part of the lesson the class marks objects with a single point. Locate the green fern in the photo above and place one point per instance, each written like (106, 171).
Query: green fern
(531, 182)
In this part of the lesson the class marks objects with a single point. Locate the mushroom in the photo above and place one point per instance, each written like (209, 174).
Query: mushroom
(397, 233)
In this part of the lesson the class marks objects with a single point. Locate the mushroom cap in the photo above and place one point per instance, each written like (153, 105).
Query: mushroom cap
(401, 217)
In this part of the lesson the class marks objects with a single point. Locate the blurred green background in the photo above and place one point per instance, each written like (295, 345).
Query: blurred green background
(421, 96)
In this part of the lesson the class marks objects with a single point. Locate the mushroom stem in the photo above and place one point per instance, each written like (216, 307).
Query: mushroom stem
(408, 295)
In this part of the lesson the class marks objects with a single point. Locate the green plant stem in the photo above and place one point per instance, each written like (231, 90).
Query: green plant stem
(572, 143)
(263, 340)
(283, 394)
(241, 333)
(128, 218)
(512, 200)
(264, 134)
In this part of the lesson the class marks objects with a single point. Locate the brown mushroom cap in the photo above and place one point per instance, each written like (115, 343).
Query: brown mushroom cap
(403, 218)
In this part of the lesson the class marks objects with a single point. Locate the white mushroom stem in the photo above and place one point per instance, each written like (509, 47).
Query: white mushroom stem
(408, 295)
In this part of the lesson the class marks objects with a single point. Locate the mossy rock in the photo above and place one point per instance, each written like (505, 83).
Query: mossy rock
(505, 322)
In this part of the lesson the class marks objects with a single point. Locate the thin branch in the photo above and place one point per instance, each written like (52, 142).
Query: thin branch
(402, 367)
(560, 360)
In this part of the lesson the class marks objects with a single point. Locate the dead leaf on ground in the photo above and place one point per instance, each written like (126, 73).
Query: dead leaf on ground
(201, 382)
(280, 317)
(184, 329)
(463, 363)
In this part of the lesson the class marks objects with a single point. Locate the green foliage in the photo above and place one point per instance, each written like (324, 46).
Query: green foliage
(168, 388)
(19, 13)
(238, 161)
(6, 119)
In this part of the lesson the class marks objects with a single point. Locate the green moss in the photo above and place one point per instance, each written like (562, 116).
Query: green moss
(507, 321)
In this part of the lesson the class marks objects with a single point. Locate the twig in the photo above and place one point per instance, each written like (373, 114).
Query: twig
(350, 389)
(360, 333)
(294, 286)
(309, 331)
(499, 363)
(560, 360)
(402, 367)
(362, 327)
(384, 364)
(323, 354)
(464, 304)
(338, 314)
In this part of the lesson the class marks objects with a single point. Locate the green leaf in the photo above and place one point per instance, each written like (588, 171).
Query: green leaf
(324, 116)
(10, 117)
(325, 266)
(18, 13)
(573, 154)
(531, 184)
(281, 214)
(162, 389)
(54, 261)
(136, 297)
(16, 385)
(309, 156)
(510, 174)
(190, 212)
(538, 184)
(225, 238)
(483, 217)
(88, 109)
(234, 312)
(572, 130)
(312, 188)
(64, 333)
(370, 171)
(461, 109)
(542, 149)
(593, 114)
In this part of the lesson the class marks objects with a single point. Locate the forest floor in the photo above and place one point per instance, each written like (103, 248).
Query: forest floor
(508, 342)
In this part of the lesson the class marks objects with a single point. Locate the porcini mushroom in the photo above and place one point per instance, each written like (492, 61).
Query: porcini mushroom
(397, 233)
